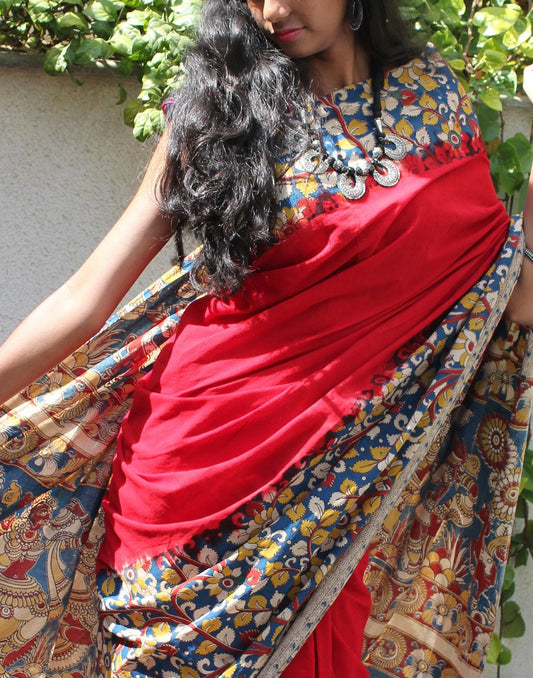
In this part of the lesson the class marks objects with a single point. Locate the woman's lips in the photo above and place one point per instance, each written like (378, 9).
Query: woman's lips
(288, 34)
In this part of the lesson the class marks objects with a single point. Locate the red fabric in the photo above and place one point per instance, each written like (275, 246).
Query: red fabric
(338, 637)
(250, 385)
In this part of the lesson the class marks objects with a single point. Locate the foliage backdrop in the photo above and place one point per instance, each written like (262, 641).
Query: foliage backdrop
(487, 43)
(141, 37)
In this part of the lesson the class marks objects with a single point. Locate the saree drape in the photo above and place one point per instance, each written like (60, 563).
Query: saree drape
(422, 467)
(437, 507)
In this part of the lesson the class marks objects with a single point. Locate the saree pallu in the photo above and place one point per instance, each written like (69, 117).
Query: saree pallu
(421, 466)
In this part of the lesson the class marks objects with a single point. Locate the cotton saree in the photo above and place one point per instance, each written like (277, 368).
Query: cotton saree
(416, 456)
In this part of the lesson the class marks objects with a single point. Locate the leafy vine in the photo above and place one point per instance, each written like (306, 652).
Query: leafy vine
(143, 38)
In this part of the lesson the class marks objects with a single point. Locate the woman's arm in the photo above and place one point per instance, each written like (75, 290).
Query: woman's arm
(79, 308)
(520, 308)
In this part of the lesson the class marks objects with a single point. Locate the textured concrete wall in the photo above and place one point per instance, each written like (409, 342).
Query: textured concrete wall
(68, 166)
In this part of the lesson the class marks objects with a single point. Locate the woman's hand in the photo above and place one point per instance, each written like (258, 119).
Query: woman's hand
(520, 308)
(79, 308)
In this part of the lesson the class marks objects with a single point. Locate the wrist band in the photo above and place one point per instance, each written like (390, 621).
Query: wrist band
(528, 253)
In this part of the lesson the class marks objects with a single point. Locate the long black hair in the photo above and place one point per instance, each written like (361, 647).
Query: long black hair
(231, 120)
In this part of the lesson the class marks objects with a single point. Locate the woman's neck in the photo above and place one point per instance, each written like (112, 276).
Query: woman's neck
(346, 63)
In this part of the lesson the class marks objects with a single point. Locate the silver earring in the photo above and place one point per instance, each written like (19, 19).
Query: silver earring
(355, 15)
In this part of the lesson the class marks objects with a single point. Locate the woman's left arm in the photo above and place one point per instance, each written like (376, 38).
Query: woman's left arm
(520, 307)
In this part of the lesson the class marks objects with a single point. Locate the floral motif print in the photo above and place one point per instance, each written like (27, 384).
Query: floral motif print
(56, 446)
(421, 103)
(458, 538)
(506, 491)
(422, 664)
(493, 442)
(442, 611)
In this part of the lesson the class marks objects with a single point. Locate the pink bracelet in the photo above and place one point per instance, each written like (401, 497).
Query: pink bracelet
(166, 103)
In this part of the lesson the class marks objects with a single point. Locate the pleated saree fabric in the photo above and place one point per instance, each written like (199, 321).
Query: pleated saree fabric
(361, 393)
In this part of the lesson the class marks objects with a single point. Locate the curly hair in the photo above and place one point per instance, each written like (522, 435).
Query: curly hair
(236, 113)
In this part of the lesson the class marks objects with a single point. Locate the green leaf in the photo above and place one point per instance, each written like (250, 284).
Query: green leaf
(32, 43)
(522, 555)
(148, 122)
(459, 6)
(524, 152)
(496, 20)
(514, 629)
(40, 11)
(91, 49)
(125, 67)
(130, 111)
(527, 494)
(489, 122)
(518, 34)
(505, 656)
(507, 81)
(457, 64)
(508, 577)
(526, 49)
(6, 5)
(123, 39)
(102, 29)
(185, 14)
(491, 98)
(506, 163)
(444, 40)
(494, 59)
(513, 625)
(507, 593)
(122, 95)
(139, 18)
(526, 482)
(55, 60)
(72, 20)
(494, 650)
(140, 49)
(102, 10)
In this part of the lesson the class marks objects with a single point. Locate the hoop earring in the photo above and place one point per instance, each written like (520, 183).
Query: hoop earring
(355, 15)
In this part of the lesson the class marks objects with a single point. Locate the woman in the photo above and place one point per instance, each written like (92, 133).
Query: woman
(338, 380)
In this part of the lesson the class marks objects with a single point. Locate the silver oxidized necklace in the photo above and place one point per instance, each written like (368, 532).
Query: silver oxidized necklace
(378, 163)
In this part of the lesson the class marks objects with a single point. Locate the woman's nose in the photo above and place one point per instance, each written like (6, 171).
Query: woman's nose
(275, 10)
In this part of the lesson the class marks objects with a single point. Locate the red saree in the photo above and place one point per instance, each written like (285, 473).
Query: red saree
(346, 397)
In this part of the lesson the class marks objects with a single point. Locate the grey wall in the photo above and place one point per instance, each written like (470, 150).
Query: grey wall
(68, 167)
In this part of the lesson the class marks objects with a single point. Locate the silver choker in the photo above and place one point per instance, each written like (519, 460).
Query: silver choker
(351, 178)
